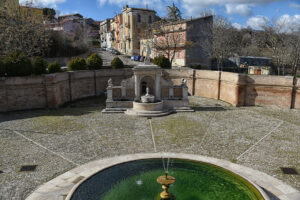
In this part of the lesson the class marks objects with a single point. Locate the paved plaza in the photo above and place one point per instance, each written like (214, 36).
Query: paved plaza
(264, 139)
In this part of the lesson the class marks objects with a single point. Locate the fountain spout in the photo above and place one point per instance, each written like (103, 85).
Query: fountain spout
(166, 181)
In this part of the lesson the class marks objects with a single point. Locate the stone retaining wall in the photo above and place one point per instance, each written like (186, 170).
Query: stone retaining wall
(53, 90)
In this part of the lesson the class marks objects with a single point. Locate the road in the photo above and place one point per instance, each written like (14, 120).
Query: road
(107, 57)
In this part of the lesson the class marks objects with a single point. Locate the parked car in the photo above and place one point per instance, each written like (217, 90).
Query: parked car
(116, 52)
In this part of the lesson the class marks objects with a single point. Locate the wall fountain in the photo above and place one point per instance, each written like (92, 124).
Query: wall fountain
(148, 93)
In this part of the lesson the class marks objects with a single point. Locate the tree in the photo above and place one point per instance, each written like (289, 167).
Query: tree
(174, 13)
(166, 37)
(49, 13)
(295, 53)
(226, 40)
(276, 41)
(21, 34)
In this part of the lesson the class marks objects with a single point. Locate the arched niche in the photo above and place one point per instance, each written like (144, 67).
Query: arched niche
(147, 81)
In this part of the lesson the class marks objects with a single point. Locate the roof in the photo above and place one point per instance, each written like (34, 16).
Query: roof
(70, 15)
(253, 57)
(143, 9)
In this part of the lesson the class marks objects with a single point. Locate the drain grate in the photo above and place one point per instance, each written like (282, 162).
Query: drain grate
(28, 168)
(290, 171)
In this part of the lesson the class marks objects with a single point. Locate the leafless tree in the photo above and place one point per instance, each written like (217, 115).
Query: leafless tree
(226, 40)
(22, 34)
(167, 37)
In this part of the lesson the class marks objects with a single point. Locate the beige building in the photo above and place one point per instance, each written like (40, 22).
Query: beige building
(11, 7)
(186, 42)
(135, 20)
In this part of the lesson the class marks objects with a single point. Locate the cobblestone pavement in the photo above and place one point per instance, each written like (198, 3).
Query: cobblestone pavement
(107, 58)
(61, 139)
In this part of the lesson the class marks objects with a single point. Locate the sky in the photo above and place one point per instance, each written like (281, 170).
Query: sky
(240, 13)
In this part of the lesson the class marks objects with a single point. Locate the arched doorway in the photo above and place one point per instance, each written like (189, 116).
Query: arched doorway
(149, 82)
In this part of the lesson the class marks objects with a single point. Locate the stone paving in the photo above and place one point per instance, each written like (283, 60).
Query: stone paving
(108, 57)
(59, 140)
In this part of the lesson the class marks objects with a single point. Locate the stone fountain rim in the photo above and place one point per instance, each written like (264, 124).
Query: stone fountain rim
(64, 184)
(169, 156)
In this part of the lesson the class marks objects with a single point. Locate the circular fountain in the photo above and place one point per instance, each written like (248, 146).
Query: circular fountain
(138, 180)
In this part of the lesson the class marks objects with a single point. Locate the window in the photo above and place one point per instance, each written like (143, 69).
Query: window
(150, 20)
(139, 18)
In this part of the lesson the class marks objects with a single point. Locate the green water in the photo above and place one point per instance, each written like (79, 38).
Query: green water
(200, 182)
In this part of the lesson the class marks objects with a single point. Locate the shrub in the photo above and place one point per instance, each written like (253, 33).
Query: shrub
(39, 66)
(77, 64)
(54, 67)
(18, 64)
(117, 63)
(94, 62)
(2, 67)
(162, 61)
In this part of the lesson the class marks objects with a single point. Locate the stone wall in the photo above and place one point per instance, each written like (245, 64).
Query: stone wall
(207, 83)
(176, 76)
(54, 90)
(21, 93)
(269, 91)
(296, 94)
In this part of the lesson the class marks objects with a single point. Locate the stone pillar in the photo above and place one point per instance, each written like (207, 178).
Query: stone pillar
(137, 87)
(185, 93)
(123, 92)
(171, 92)
(123, 89)
(110, 90)
(157, 87)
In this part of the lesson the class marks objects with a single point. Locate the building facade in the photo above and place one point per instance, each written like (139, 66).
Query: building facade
(135, 20)
(104, 32)
(186, 43)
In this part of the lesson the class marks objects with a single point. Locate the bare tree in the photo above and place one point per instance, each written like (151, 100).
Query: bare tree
(167, 37)
(226, 40)
(22, 34)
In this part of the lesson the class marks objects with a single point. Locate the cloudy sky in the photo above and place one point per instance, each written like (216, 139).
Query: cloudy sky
(241, 13)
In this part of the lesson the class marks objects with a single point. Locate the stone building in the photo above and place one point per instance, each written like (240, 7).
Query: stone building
(116, 28)
(104, 32)
(75, 16)
(135, 20)
(190, 41)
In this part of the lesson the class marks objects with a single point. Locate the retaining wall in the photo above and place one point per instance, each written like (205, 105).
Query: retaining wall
(53, 90)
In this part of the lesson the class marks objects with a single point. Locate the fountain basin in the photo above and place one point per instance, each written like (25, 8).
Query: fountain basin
(148, 99)
(148, 110)
(194, 180)
(139, 106)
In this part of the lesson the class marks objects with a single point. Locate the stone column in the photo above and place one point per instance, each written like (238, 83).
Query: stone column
(109, 94)
(185, 93)
(171, 92)
(123, 89)
(137, 87)
(110, 90)
(157, 87)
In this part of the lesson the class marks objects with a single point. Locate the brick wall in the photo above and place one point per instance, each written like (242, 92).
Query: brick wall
(53, 90)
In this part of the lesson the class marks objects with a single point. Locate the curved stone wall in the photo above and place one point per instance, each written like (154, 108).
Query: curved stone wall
(53, 90)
